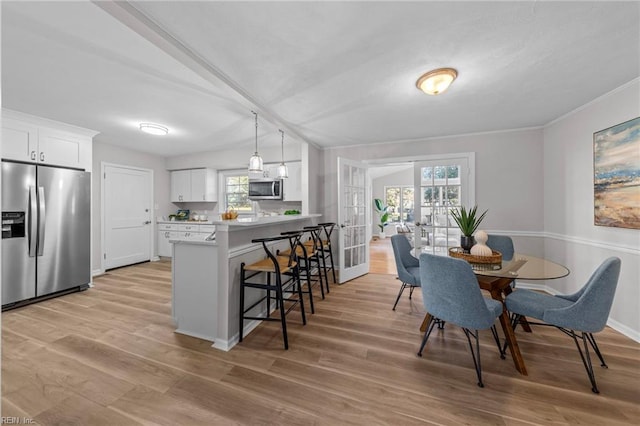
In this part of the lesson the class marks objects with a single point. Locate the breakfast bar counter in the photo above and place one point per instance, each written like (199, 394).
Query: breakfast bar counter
(206, 276)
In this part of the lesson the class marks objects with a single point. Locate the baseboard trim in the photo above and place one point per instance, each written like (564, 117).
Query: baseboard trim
(97, 272)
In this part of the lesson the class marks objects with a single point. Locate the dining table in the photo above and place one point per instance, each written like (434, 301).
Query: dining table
(497, 280)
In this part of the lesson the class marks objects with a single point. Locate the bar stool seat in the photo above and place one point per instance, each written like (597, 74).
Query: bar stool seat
(285, 270)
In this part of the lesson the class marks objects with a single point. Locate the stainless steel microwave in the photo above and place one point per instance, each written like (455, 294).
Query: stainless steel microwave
(265, 189)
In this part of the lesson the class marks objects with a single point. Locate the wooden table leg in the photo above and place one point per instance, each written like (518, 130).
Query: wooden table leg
(523, 320)
(512, 343)
(425, 322)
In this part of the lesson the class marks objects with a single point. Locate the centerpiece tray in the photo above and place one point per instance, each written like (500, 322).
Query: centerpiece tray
(494, 259)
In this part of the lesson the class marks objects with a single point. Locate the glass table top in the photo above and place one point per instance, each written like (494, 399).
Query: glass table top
(524, 267)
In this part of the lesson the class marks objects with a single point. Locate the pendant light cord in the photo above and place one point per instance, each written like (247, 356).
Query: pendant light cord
(282, 145)
(256, 114)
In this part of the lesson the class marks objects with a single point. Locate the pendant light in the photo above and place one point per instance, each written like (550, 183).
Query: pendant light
(283, 173)
(255, 162)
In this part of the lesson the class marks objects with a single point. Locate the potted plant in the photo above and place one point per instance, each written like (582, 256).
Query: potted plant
(468, 222)
(381, 209)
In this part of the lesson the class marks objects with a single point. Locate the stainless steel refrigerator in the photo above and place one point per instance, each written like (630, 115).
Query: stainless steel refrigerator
(45, 232)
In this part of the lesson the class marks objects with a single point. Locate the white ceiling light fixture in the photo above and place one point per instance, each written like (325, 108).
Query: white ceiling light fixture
(283, 173)
(436, 81)
(255, 162)
(154, 129)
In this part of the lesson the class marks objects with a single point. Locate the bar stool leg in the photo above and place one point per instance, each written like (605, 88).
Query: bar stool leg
(280, 300)
(296, 276)
(242, 275)
(333, 268)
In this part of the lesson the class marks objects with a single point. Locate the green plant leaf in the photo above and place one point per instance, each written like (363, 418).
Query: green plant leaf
(467, 220)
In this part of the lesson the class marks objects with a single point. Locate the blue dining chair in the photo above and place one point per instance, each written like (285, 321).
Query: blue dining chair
(407, 265)
(450, 293)
(577, 315)
(503, 244)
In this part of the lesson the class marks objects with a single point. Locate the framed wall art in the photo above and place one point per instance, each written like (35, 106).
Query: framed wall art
(616, 175)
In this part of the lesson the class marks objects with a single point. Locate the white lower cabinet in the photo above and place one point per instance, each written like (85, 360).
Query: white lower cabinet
(184, 231)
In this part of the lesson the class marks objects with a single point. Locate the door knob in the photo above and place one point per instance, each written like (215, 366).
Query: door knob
(146, 222)
(343, 226)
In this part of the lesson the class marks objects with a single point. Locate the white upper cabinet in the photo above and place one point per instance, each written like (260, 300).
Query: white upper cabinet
(293, 184)
(194, 185)
(49, 143)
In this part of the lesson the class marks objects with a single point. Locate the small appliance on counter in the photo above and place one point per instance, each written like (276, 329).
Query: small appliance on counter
(180, 215)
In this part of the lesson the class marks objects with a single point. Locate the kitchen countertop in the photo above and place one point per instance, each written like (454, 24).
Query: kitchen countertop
(249, 221)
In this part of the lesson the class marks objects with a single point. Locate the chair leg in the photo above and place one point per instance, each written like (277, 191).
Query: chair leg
(333, 269)
(399, 294)
(242, 275)
(475, 354)
(299, 286)
(595, 347)
(411, 291)
(283, 319)
(430, 325)
(502, 350)
(586, 359)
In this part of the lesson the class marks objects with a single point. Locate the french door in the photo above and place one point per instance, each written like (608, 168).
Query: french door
(442, 185)
(354, 212)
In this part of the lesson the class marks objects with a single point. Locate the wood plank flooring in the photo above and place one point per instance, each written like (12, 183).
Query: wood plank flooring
(109, 356)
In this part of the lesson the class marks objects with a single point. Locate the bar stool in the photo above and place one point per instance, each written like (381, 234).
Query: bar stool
(327, 252)
(277, 266)
(308, 256)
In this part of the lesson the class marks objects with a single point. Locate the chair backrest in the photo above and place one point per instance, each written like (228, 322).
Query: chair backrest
(450, 292)
(591, 310)
(404, 259)
(503, 244)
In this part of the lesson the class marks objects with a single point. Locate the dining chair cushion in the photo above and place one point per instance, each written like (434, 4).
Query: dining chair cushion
(533, 304)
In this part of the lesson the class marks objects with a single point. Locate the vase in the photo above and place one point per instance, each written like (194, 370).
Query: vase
(466, 242)
(381, 235)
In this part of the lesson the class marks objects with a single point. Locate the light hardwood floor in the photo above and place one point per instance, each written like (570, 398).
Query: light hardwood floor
(109, 356)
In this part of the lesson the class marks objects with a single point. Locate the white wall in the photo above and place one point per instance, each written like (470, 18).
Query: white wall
(572, 237)
(234, 158)
(509, 174)
(103, 152)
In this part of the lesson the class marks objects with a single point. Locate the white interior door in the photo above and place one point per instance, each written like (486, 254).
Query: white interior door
(127, 210)
(354, 210)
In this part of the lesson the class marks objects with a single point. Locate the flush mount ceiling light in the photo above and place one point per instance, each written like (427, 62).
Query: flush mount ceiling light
(436, 81)
(154, 129)
(283, 173)
(255, 162)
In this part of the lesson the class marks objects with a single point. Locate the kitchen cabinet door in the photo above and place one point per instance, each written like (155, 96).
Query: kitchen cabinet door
(59, 148)
(204, 185)
(293, 184)
(164, 247)
(19, 141)
(180, 186)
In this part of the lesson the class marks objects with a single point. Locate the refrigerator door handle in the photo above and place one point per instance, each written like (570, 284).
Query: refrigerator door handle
(41, 220)
(31, 221)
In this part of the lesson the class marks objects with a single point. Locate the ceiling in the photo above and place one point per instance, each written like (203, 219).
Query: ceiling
(329, 73)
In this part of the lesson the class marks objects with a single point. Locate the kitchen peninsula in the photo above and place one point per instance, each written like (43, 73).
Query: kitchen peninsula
(206, 276)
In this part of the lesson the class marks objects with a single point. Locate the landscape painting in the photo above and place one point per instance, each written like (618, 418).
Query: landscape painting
(616, 166)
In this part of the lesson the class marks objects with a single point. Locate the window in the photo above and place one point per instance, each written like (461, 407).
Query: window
(400, 202)
(236, 192)
(444, 186)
